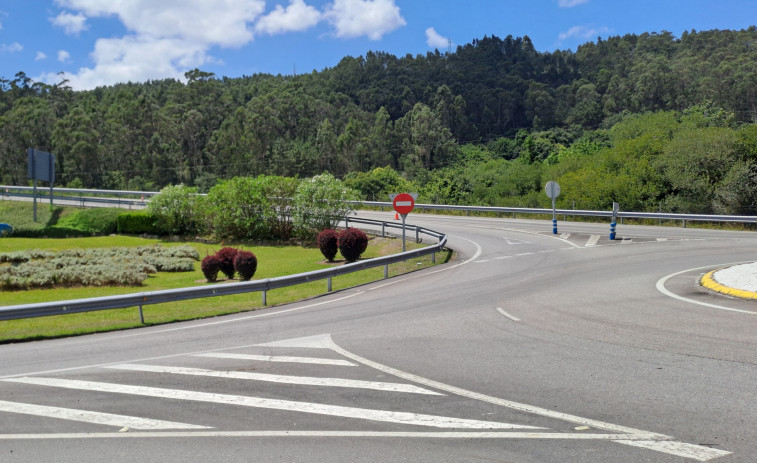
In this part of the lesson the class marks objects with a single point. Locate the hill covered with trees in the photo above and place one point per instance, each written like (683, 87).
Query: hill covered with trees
(652, 121)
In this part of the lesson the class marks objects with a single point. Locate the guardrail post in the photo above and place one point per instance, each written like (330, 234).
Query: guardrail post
(346, 222)
(386, 271)
(141, 315)
(433, 257)
(265, 298)
(684, 223)
(328, 286)
(383, 229)
(417, 237)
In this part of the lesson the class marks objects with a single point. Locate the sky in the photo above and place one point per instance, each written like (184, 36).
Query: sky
(93, 43)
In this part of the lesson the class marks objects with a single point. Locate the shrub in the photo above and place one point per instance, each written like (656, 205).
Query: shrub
(97, 221)
(137, 223)
(175, 209)
(245, 263)
(226, 258)
(352, 242)
(210, 265)
(327, 243)
(321, 202)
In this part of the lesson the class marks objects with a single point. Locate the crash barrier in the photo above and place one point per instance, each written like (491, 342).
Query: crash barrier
(196, 292)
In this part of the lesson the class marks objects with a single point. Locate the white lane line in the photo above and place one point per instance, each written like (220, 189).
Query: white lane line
(662, 239)
(524, 254)
(482, 261)
(514, 242)
(273, 404)
(283, 379)
(477, 254)
(500, 310)
(109, 419)
(661, 288)
(278, 358)
(593, 239)
(688, 450)
(503, 257)
(349, 434)
(494, 400)
(680, 449)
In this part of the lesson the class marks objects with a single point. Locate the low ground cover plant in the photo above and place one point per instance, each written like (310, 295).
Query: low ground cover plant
(116, 266)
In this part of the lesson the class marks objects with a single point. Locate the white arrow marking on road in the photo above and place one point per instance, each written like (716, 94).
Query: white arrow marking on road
(302, 380)
(279, 358)
(109, 419)
(416, 419)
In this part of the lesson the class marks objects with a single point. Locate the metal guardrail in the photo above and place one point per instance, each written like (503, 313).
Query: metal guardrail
(180, 294)
(577, 212)
(8, 190)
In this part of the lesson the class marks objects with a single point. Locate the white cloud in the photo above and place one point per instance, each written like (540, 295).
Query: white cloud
(583, 32)
(298, 16)
(570, 3)
(64, 56)
(40, 56)
(370, 18)
(434, 40)
(72, 24)
(166, 37)
(12, 48)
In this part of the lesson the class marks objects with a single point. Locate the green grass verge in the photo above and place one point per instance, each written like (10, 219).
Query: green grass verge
(273, 261)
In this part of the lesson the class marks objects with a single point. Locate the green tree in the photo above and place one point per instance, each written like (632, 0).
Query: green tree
(320, 203)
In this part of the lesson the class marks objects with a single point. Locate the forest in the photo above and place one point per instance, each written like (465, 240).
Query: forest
(652, 121)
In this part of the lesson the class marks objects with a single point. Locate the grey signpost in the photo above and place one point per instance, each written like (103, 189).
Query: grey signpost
(553, 191)
(403, 203)
(41, 167)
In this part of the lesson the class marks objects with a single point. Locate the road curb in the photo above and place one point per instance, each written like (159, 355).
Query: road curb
(708, 281)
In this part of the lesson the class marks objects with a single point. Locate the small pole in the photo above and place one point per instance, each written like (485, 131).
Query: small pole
(265, 298)
(403, 232)
(554, 215)
(433, 257)
(386, 271)
(141, 315)
(328, 285)
(615, 209)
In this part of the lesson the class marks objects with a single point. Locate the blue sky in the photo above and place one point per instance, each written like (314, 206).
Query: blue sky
(102, 42)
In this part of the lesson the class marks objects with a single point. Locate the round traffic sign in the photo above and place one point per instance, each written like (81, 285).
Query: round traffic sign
(552, 189)
(403, 203)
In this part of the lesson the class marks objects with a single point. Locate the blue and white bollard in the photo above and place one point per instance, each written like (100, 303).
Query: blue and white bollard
(612, 231)
(554, 226)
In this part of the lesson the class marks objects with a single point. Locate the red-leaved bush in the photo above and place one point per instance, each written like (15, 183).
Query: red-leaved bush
(226, 258)
(327, 243)
(352, 242)
(210, 267)
(245, 264)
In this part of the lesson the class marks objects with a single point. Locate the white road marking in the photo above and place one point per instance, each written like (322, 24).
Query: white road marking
(302, 380)
(482, 261)
(524, 254)
(515, 242)
(500, 310)
(626, 241)
(662, 239)
(350, 434)
(503, 257)
(277, 358)
(85, 416)
(680, 449)
(593, 239)
(661, 288)
(273, 404)
(565, 236)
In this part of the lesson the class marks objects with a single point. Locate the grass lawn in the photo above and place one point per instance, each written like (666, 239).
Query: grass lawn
(273, 261)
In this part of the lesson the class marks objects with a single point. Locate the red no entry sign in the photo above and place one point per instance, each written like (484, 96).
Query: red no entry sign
(403, 203)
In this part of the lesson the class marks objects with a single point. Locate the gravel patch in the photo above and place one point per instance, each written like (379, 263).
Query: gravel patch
(742, 277)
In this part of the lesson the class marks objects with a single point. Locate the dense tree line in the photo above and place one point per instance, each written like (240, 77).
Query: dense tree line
(493, 116)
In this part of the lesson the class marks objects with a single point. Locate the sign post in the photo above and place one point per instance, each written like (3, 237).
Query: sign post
(403, 203)
(553, 191)
(41, 167)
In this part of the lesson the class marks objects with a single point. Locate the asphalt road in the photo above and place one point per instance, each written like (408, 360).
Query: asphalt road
(528, 347)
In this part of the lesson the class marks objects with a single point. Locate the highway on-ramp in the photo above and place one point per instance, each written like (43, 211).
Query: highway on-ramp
(527, 347)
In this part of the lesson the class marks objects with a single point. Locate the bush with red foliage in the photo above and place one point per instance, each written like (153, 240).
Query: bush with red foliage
(327, 243)
(352, 242)
(226, 257)
(245, 264)
(210, 267)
